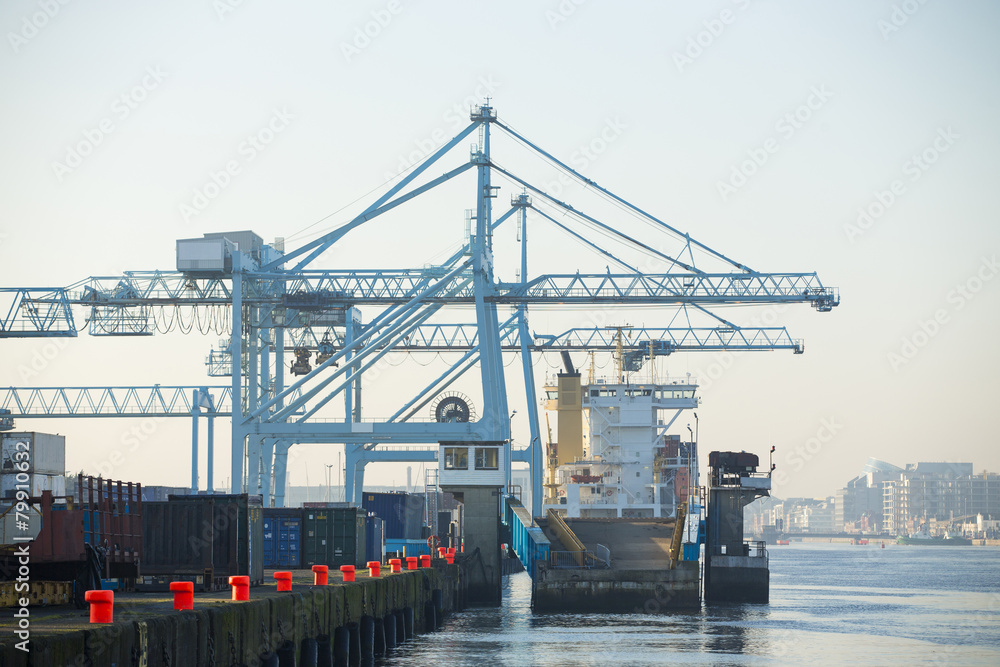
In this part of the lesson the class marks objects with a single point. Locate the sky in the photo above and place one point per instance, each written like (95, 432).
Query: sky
(854, 139)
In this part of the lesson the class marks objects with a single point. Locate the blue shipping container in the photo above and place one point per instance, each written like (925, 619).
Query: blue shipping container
(282, 538)
(410, 547)
(403, 513)
(375, 543)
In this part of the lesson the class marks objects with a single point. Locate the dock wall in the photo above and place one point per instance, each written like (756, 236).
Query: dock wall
(613, 590)
(222, 632)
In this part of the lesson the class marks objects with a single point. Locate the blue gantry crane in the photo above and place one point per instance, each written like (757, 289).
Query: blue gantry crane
(271, 306)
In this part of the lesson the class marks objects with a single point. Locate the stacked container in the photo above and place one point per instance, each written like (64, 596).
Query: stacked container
(403, 513)
(283, 538)
(44, 457)
(204, 539)
(334, 536)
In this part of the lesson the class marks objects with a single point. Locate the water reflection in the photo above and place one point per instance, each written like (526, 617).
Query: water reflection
(734, 629)
(829, 605)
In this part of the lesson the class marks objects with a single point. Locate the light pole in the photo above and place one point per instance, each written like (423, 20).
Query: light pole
(694, 454)
(690, 449)
(329, 476)
(510, 451)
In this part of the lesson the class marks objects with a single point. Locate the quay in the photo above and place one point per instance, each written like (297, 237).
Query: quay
(343, 622)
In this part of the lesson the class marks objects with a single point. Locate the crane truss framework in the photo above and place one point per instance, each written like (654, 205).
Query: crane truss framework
(154, 401)
(266, 301)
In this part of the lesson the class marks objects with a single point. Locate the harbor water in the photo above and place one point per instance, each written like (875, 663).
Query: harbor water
(830, 604)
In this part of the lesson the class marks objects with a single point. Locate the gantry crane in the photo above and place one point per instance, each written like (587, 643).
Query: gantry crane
(270, 304)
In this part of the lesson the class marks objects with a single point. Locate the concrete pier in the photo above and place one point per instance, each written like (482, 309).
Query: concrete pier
(648, 591)
(147, 631)
(636, 578)
(481, 558)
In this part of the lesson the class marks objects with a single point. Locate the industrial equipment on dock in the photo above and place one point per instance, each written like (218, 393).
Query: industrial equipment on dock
(735, 570)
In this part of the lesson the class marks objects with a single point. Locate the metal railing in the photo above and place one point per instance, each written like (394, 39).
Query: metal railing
(579, 559)
(750, 549)
(755, 549)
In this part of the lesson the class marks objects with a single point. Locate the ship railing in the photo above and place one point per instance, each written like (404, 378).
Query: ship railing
(567, 560)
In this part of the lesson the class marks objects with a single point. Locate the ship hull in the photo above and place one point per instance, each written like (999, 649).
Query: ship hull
(935, 541)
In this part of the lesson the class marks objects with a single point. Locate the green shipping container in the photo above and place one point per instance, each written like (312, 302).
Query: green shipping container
(334, 537)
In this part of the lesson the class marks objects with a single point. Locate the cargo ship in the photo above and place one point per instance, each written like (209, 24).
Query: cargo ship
(923, 538)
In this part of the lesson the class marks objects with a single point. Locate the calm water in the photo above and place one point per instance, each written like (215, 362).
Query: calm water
(830, 604)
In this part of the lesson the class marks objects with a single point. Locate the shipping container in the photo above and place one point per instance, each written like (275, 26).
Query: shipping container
(283, 538)
(152, 494)
(408, 547)
(16, 525)
(403, 513)
(32, 482)
(107, 514)
(375, 542)
(334, 537)
(204, 539)
(46, 453)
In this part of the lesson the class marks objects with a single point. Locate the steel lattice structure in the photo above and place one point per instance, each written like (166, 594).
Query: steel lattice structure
(278, 304)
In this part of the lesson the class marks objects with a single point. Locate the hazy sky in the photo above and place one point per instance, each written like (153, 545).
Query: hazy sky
(855, 139)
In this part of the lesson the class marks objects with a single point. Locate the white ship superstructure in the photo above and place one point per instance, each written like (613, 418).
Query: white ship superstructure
(621, 461)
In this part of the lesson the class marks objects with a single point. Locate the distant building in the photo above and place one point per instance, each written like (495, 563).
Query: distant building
(792, 515)
(860, 503)
(944, 496)
(926, 492)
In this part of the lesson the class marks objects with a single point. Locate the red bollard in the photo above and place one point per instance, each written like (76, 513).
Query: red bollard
(442, 551)
(451, 551)
(183, 594)
(425, 560)
(241, 587)
(411, 562)
(321, 575)
(102, 606)
(284, 581)
(374, 568)
(348, 572)
(394, 565)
